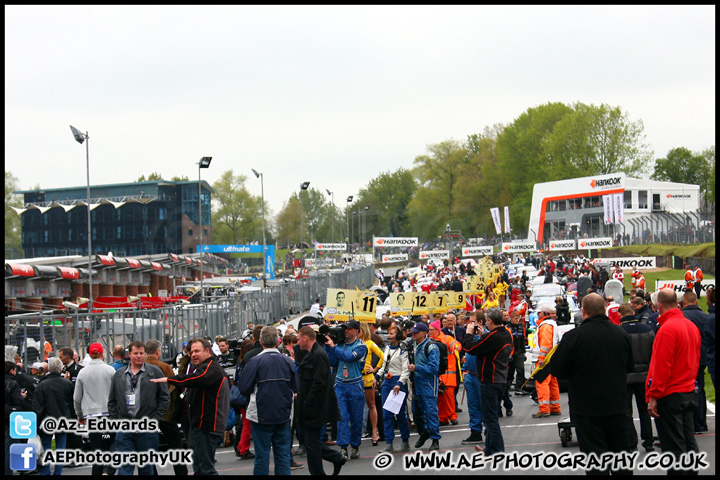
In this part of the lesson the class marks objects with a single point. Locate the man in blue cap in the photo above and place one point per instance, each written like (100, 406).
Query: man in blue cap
(424, 369)
(348, 360)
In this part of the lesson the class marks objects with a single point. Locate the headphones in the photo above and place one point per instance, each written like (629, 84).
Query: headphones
(399, 334)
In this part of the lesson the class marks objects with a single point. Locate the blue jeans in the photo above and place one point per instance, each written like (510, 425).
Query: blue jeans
(136, 442)
(60, 444)
(204, 446)
(472, 389)
(490, 394)
(275, 436)
(426, 399)
(388, 417)
(351, 400)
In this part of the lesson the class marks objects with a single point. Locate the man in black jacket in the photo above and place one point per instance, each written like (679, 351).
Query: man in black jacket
(15, 401)
(492, 352)
(641, 339)
(53, 398)
(596, 357)
(316, 403)
(209, 403)
(692, 312)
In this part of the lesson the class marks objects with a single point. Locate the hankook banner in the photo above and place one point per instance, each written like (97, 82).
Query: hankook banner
(602, 242)
(630, 262)
(382, 242)
(475, 251)
(562, 245)
(341, 247)
(679, 285)
(428, 254)
(523, 246)
(400, 257)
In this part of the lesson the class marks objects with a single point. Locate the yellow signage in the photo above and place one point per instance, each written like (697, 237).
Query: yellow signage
(401, 303)
(350, 304)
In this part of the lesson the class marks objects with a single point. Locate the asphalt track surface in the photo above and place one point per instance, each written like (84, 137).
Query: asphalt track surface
(522, 434)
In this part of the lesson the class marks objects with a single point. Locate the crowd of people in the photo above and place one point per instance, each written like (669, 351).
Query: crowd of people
(397, 375)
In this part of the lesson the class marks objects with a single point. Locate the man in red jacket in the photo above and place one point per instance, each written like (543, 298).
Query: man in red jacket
(670, 391)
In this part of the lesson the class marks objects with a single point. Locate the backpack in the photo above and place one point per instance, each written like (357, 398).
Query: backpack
(443, 355)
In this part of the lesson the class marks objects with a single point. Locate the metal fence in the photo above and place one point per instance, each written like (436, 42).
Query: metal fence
(227, 316)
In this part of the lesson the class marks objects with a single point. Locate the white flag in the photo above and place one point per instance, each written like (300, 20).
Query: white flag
(618, 206)
(608, 207)
(495, 212)
(507, 219)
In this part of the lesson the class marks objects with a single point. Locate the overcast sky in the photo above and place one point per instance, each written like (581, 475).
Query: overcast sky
(332, 95)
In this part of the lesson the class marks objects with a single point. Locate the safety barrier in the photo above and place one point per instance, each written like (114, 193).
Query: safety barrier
(174, 325)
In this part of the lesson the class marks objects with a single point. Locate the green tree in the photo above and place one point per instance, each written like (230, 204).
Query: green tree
(288, 221)
(478, 186)
(182, 178)
(237, 215)
(596, 140)
(437, 173)
(683, 166)
(13, 241)
(521, 156)
(152, 177)
(387, 197)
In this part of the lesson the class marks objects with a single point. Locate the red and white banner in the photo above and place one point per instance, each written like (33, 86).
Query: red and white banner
(428, 254)
(520, 246)
(341, 247)
(382, 242)
(562, 245)
(475, 251)
(679, 285)
(600, 242)
(400, 257)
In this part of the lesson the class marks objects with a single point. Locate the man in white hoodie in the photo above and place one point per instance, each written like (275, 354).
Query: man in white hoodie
(92, 389)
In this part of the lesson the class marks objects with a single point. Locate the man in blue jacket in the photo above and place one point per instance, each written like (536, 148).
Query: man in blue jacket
(424, 370)
(348, 360)
(269, 380)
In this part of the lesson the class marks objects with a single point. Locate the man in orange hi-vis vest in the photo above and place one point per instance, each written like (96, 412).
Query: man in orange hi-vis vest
(548, 391)
(698, 280)
(689, 280)
(634, 276)
(639, 281)
(446, 400)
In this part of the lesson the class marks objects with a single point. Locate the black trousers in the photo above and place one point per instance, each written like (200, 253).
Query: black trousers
(317, 451)
(603, 434)
(106, 443)
(174, 438)
(675, 426)
(516, 365)
(700, 414)
(638, 391)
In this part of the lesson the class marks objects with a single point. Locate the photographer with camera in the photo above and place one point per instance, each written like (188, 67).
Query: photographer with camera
(349, 361)
(394, 375)
(493, 351)
(424, 367)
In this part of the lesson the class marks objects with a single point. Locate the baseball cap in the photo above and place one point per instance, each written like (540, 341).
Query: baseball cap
(352, 324)
(419, 327)
(95, 349)
(37, 366)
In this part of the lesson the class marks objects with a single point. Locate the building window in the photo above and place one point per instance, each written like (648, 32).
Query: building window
(190, 232)
(643, 199)
(627, 199)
